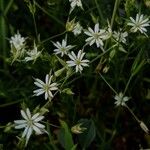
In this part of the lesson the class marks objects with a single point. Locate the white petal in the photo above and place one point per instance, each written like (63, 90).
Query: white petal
(38, 118)
(84, 64)
(38, 92)
(35, 116)
(50, 93)
(82, 55)
(28, 113)
(77, 68)
(92, 42)
(37, 130)
(71, 63)
(39, 125)
(87, 33)
(80, 68)
(25, 132)
(20, 126)
(53, 85)
(96, 29)
(53, 88)
(29, 132)
(90, 30)
(79, 54)
(40, 81)
(46, 79)
(46, 95)
(20, 121)
(23, 114)
(50, 79)
(38, 84)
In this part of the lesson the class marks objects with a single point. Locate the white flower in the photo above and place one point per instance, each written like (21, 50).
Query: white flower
(96, 36)
(77, 61)
(62, 48)
(120, 36)
(17, 41)
(17, 44)
(75, 3)
(30, 123)
(139, 23)
(121, 99)
(77, 29)
(109, 32)
(46, 87)
(33, 54)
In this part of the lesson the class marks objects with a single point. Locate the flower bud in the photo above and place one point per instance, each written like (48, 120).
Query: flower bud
(77, 129)
(144, 127)
(70, 25)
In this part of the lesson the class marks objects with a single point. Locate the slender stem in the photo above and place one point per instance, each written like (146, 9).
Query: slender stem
(52, 37)
(108, 84)
(35, 26)
(8, 7)
(99, 11)
(11, 103)
(51, 124)
(127, 85)
(114, 12)
(102, 54)
(3, 31)
(112, 22)
(133, 114)
(49, 101)
(54, 18)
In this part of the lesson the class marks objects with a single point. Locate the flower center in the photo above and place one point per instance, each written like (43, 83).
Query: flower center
(96, 35)
(78, 62)
(63, 49)
(46, 87)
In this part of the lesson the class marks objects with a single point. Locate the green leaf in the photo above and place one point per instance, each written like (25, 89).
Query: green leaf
(63, 63)
(130, 6)
(74, 147)
(138, 63)
(86, 138)
(65, 137)
(59, 72)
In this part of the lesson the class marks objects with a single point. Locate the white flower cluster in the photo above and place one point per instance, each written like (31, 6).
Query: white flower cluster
(19, 49)
(77, 60)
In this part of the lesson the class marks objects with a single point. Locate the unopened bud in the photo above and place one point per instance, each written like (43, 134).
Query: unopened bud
(105, 69)
(70, 25)
(144, 127)
(77, 129)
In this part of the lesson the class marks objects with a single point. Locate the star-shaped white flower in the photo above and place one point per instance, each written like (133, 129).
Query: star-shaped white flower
(121, 99)
(96, 36)
(17, 41)
(33, 54)
(75, 3)
(139, 23)
(62, 48)
(77, 29)
(120, 36)
(77, 61)
(30, 123)
(46, 87)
